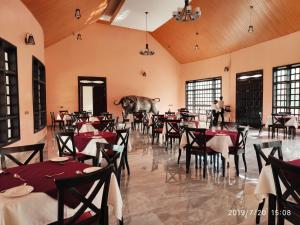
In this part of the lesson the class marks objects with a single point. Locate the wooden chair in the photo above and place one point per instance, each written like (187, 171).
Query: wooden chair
(54, 121)
(196, 145)
(107, 116)
(146, 123)
(89, 211)
(239, 148)
(66, 147)
(209, 119)
(262, 160)
(106, 152)
(287, 183)
(138, 119)
(173, 131)
(122, 139)
(278, 122)
(105, 125)
(6, 153)
(157, 126)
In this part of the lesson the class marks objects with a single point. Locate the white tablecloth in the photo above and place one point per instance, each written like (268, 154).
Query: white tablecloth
(93, 119)
(87, 127)
(38, 208)
(265, 185)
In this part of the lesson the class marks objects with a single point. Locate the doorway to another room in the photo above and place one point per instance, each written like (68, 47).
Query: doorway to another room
(92, 96)
(249, 98)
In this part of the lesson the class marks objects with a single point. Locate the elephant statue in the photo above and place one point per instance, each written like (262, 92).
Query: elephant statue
(132, 103)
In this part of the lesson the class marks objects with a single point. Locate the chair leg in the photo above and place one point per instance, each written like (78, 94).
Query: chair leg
(236, 161)
(196, 161)
(205, 166)
(179, 155)
(153, 136)
(127, 165)
(259, 211)
(244, 159)
(188, 161)
(223, 165)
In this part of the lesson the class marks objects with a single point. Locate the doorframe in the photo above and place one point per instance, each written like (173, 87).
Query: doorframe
(249, 73)
(89, 78)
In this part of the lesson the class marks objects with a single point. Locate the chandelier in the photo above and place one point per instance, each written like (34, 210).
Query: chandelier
(147, 51)
(187, 14)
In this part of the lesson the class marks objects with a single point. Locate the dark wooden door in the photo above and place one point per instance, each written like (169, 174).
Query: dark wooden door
(249, 98)
(99, 99)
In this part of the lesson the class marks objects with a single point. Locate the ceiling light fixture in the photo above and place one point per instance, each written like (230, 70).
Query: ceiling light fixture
(147, 51)
(251, 27)
(196, 47)
(29, 40)
(186, 14)
(77, 15)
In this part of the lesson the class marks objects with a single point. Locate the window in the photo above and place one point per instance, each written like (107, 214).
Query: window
(9, 97)
(286, 89)
(200, 94)
(39, 94)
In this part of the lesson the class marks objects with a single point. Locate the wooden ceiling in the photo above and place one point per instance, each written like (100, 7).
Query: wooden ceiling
(223, 27)
(57, 16)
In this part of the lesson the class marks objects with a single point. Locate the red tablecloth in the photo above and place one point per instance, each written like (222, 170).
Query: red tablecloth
(34, 174)
(295, 162)
(233, 134)
(82, 139)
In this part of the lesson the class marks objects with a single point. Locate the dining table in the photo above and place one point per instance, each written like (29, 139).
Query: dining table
(40, 206)
(86, 142)
(218, 140)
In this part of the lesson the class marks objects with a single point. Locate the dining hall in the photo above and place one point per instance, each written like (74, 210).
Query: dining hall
(149, 112)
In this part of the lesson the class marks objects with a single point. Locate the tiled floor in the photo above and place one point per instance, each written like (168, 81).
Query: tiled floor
(159, 192)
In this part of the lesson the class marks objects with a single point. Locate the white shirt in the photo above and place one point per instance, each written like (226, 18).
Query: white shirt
(215, 107)
(221, 104)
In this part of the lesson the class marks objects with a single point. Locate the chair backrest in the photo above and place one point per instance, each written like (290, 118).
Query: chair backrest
(65, 143)
(287, 184)
(123, 137)
(278, 119)
(106, 151)
(107, 115)
(105, 125)
(242, 137)
(196, 137)
(173, 126)
(262, 158)
(170, 113)
(138, 116)
(63, 112)
(6, 152)
(158, 121)
(70, 187)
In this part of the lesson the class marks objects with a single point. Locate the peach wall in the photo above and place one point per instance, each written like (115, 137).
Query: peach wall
(280, 51)
(111, 52)
(15, 21)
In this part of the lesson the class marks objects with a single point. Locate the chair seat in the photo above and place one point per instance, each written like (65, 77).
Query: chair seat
(209, 151)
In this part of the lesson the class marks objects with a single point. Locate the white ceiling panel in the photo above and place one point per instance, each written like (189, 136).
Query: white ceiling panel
(132, 13)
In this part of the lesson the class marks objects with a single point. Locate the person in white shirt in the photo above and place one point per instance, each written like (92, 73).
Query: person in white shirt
(221, 108)
(215, 112)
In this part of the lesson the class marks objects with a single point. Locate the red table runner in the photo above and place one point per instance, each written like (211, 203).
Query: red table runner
(82, 139)
(34, 174)
(233, 134)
